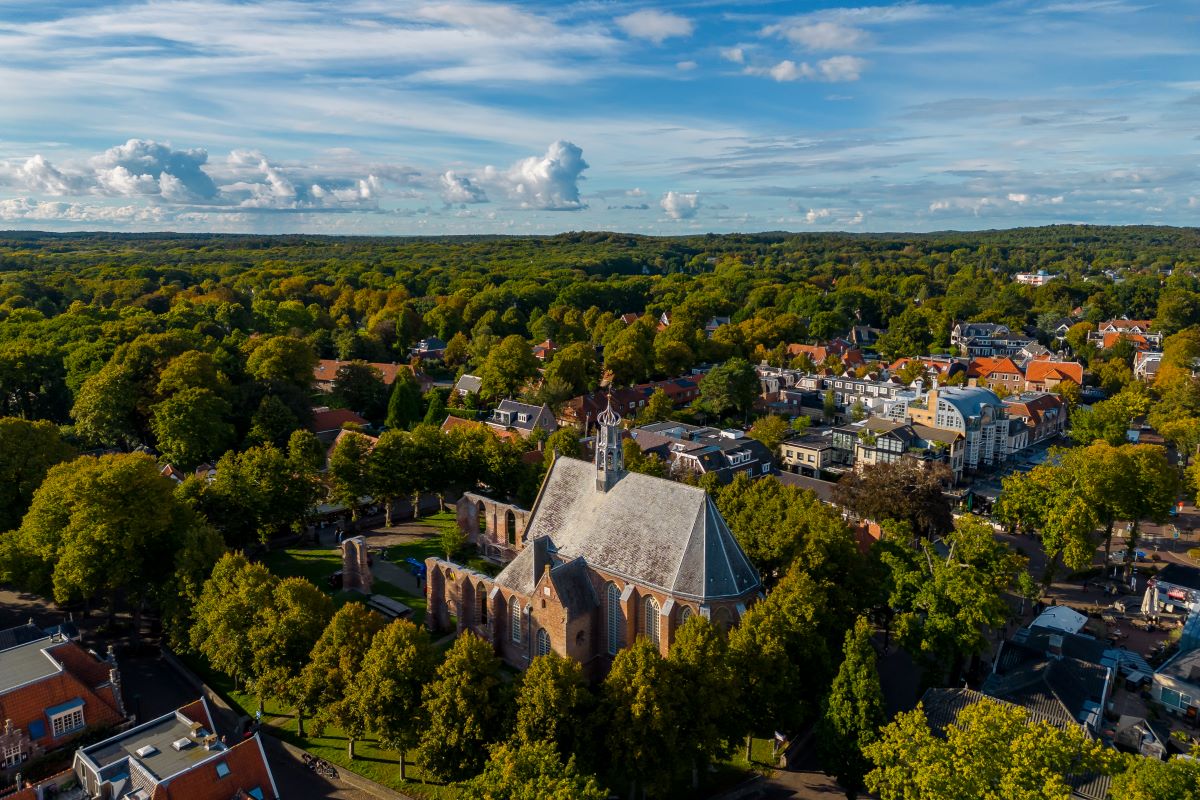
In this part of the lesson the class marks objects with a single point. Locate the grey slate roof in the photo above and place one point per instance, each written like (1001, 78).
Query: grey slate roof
(26, 663)
(574, 588)
(651, 531)
(468, 384)
(1059, 690)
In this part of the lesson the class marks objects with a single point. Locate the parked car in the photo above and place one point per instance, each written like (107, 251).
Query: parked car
(1118, 556)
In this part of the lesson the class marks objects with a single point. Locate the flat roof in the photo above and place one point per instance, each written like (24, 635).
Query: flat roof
(26, 663)
(160, 734)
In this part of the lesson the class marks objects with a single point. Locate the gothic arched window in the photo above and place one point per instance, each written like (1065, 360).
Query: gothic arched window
(612, 601)
(481, 517)
(481, 598)
(543, 642)
(516, 620)
(650, 623)
(685, 614)
(510, 523)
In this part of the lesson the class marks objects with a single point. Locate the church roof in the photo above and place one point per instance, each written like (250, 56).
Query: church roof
(651, 531)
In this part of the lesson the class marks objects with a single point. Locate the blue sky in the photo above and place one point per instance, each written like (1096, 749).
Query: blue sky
(386, 116)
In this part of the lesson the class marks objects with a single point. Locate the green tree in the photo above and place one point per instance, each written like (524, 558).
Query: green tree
(507, 368)
(531, 771)
(991, 752)
(642, 705)
(360, 387)
(272, 422)
(658, 408)
(193, 369)
(305, 452)
(853, 712)
(904, 490)
(701, 671)
(27, 451)
(575, 367)
(771, 431)
(404, 405)
(191, 427)
(324, 688)
(283, 359)
(637, 461)
(458, 350)
(350, 472)
(435, 407)
(390, 470)
(554, 704)
(105, 408)
(729, 386)
(228, 612)
(386, 692)
(107, 528)
(33, 381)
(464, 706)
(284, 634)
(1151, 779)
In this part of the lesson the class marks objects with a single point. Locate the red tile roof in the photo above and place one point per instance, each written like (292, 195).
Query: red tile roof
(985, 367)
(247, 770)
(326, 371)
(458, 422)
(1111, 338)
(334, 419)
(1039, 371)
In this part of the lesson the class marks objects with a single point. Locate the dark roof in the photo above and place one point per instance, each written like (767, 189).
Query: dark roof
(1180, 575)
(652, 531)
(1062, 691)
(822, 489)
(22, 634)
(574, 588)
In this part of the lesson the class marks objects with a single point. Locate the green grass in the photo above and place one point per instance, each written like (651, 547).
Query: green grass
(316, 565)
(431, 547)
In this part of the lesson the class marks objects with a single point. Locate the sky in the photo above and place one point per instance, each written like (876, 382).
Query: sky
(449, 117)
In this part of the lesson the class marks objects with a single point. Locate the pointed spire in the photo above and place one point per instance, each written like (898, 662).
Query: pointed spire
(610, 451)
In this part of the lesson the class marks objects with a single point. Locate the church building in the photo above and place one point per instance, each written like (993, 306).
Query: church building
(607, 556)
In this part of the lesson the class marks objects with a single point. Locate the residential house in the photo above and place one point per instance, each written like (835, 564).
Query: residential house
(975, 339)
(543, 350)
(849, 355)
(51, 691)
(699, 450)
(864, 335)
(1043, 415)
(1043, 375)
(808, 455)
(325, 373)
(1146, 365)
(430, 349)
(1176, 685)
(878, 440)
(177, 756)
(328, 422)
(1000, 374)
(941, 368)
(609, 557)
(1137, 331)
(974, 412)
(630, 317)
(522, 418)
(582, 411)
(794, 389)
(467, 385)
(1039, 278)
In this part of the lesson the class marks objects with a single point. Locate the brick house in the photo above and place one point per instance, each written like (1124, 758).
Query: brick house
(177, 756)
(325, 373)
(609, 556)
(1137, 331)
(51, 691)
(1043, 414)
(582, 411)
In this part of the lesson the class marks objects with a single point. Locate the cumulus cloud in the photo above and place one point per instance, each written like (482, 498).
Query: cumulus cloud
(839, 69)
(819, 35)
(549, 182)
(258, 183)
(459, 189)
(28, 209)
(735, 54)
(680, 205)
(655, 26)
(817, 214)
(39, 176)
(142, 167)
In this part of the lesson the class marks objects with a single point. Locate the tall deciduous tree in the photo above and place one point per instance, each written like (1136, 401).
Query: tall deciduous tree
(324, 684)
(642, 705)
(553, 704)
(731, 386)
(506, 369)
(359, 386)
(575, 366)
(990, 752)
(531, 771)
(701, 671)
(191, 427)
(1151, 779)
(102, 528)
(283, 359)
(285, 633)
(853, 712)
(349, 471)
(228, 612)
(404, 404)
(904, 490)
(464, 705)
(386, 692)
(33, 381)
(27, 451)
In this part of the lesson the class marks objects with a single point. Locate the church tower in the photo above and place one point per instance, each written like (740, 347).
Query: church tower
(610, 452)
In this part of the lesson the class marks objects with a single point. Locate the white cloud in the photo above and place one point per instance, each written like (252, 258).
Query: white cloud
(28, 209)
(459, 189)
(138, 166)
(1018, 197)
(735, 54)
(839, 69)
(39, 176)
(680, 205)
(819, 35)
(817, 214)
(655, 26)
(686, 66)
(548, 183)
